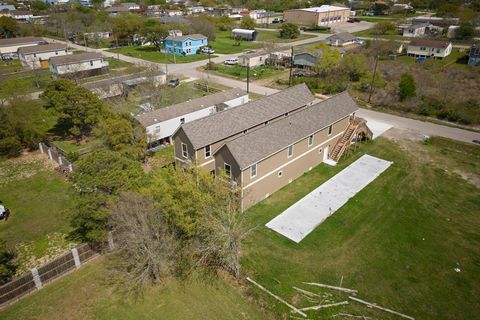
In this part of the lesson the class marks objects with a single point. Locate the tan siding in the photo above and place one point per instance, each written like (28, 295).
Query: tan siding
(181, 137)
(224, 156)
(267, 185)
(313, 18)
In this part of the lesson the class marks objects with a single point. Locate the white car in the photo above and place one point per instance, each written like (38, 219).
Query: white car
(231, 61)
(207, 50)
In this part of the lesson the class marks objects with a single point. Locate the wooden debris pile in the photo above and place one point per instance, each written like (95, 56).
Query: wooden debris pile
(326, 300)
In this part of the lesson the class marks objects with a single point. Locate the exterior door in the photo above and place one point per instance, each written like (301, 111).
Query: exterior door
(325, 153)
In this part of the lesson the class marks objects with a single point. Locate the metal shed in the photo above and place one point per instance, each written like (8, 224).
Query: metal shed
(245, 34)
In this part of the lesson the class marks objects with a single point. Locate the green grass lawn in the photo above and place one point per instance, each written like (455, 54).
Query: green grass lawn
(86, 294)
(224, 44)
(10, 66)
(274, 36)
(69, 146)
(451, 60)
(39, 200)
(151, 53)
(397, 241)
(21, 83)
(239, 72)
(114, 63)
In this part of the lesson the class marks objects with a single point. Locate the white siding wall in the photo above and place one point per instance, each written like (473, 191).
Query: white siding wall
(14, 48)
(76, 67)
(428, 52)
(29, 60)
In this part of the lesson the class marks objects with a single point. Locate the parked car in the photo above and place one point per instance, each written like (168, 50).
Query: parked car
(231, 61)
(298, 73)
(277, 20)
(207, 50)
(352, 20)
(173, 82)
(4, 212)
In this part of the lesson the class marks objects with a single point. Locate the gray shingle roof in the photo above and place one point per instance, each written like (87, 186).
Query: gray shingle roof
(74, 58)
(343, 36)
(430, 43)
(261, 143)
(20, 40)
(227, 123)
(195, 36)
(176, 110)
(42, 48)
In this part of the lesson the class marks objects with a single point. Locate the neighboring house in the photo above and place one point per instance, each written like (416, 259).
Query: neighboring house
(92, 36)
(245, 34)
(196, 142)
(436, 21)
(265, 160)
(160, 124)
(429, 48)
(175, 33)
(82, 65)
(474, 56)
(131, 6)
(185, 45)
(415, 30)
(195, 10)
(260, 58)
(174, 13)
(7, 7)
(254, 14)
(10, 46)
(341, 39)
(317, 16)
(116, 10)
(21, 15)
(306, 59)
(37, 56)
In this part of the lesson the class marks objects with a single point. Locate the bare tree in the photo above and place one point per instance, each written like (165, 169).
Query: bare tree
(146, 246)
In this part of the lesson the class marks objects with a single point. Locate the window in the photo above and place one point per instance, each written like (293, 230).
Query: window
(310, 140)
(260, 58)
(207, 151)
(245, 131)
(34, 55)
(253, 171)
(91, 63)
(290, 151)
(320, 150)
(330, 130)
(56, 53)
(228, 169)
(280, 174)
(184, 150)
(182, 120)
(423, 48)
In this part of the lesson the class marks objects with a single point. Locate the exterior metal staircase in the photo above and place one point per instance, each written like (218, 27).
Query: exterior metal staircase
(357, 127)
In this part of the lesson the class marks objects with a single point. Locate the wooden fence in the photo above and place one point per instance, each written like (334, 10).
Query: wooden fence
(56, 155)
(38, 277)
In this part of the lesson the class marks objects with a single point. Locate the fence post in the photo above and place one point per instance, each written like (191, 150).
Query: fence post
(70, 167)
(40, 146)
(49, 151)
(36, 278)
(76, 257)
(60, 162)
(111, 245)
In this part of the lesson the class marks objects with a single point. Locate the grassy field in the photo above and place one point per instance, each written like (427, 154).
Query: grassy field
(114, 63)
(39, 200)
(397, 242)
(239, 72)
(23, 82)
(10, 66)
(69, 146)
(86, 294)
(274, 36)
(226, 45)
(452, 60)
(151, 53)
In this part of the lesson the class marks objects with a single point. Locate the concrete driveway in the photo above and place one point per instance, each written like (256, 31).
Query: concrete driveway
(351, 27)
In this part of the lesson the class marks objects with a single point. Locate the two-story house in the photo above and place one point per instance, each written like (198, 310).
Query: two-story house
(429, 48)
(82, 64)
(185, 45)
(196, 142)
(264, 160)
(38, 56)
(160, 124)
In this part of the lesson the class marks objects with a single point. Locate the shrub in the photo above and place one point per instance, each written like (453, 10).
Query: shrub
(10, 147)
(407, 86)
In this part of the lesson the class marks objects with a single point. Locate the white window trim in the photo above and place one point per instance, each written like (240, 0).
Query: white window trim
(288, 148)
(251, 170)
(308, 140)
(225, 169)
(330, 130)
(184, 153)
(209, 151)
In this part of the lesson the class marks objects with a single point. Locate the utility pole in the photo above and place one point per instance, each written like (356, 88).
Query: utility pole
(373, 78)
(248, 77)
(166, 57)
(291, 69)
(118, 53)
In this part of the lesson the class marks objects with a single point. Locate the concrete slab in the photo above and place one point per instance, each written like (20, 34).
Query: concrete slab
(377, 127)
(304, 216)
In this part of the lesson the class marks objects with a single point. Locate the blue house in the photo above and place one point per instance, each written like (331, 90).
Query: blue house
(474, 56)
(185, 45)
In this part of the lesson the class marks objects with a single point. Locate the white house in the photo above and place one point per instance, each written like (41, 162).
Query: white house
(37, 56)
(429, 48)
(195, 10)
(416, 30)
(174, 13)
(88, 63)
(259, 58)
(341, 39)
(21, 15)
(160, 124)
(10, 46)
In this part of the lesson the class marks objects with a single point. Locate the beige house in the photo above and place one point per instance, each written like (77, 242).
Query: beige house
(264, 160)
(82, 64)
(324, 15)
(429, 48)
(37, 56)
(11, 45)
(260, 58)
(196, 142)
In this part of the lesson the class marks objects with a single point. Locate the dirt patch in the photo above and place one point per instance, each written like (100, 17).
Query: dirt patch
(24, 166)
(469, 177)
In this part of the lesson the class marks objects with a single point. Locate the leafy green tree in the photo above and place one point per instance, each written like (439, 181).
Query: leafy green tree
(407, 86)
(154, 33)
(289, 31)
(328, 61)
(205, 25)
(98, 178)
(78, 109)
(465, 31)
(383, 27)
(8, 27)
(224, 23)
(126, 25)
(355, 66)
(7, 263)
(38, 6)
(124, 135)
(248, 22)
